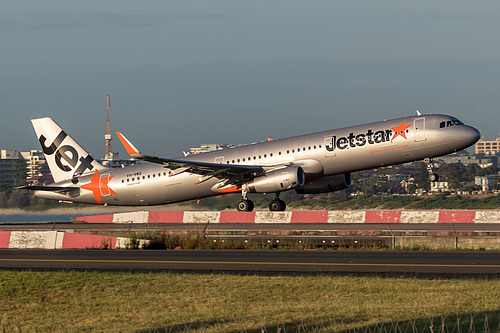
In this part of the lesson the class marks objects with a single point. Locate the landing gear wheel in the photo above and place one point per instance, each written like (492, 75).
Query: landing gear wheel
(245, 205)
(277, 205)
(433, 177)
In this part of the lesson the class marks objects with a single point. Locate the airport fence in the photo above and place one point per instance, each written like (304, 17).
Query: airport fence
(463, 323)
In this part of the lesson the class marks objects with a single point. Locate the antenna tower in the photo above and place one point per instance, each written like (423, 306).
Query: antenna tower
(107, 136)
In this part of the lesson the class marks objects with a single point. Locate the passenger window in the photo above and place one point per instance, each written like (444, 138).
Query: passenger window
(441, 125)
(449, 123)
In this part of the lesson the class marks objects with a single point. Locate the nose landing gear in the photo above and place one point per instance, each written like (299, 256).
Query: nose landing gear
(433, 177)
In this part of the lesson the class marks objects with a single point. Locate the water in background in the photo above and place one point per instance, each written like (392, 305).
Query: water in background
(65, 214)
(16, 218)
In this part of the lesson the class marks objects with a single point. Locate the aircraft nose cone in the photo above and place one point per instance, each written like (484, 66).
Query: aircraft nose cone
(468, 135)
(476, 135)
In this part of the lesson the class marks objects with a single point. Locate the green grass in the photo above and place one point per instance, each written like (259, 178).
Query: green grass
(122, 302)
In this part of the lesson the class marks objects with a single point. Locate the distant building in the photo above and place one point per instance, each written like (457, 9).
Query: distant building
(397, 180)
(38, 172)
(488, 183)
(439, 187)
(483, 161)
(487, 147)
(10, 154)
(9, 159)
(36, 163)
(112, 160)
(208, 148)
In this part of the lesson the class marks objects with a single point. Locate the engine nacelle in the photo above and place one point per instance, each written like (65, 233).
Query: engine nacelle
(277, 180)
(326, 184)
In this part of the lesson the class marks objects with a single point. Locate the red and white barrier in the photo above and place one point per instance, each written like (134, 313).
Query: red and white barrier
(59, 240)
(368, 216)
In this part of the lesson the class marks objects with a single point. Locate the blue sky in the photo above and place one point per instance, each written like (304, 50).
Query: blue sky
(184, 73)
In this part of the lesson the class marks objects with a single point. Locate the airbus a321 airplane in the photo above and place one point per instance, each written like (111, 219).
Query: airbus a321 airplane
(312, 163)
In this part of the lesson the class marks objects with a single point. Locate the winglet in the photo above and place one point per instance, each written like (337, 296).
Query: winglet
(129, 147)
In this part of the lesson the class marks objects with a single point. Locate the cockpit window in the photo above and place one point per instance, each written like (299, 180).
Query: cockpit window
(449, 123)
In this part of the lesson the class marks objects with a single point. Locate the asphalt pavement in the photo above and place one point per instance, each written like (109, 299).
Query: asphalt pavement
(338, 262)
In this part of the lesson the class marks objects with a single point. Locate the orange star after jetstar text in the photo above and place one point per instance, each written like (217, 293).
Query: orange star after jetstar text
(400, 130)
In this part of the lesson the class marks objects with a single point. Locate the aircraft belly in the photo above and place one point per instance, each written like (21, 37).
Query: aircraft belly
(183, 187)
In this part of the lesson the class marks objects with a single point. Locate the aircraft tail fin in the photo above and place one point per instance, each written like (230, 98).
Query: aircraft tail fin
(65, 157)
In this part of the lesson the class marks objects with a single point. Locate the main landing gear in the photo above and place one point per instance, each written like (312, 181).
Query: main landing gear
(433, 177)
(246, 205)
(277, 205)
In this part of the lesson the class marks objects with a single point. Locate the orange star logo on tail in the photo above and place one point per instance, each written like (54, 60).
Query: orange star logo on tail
(400, 130)
(99, 186)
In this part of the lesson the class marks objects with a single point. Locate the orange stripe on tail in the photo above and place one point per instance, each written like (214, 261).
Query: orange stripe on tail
(129, 147)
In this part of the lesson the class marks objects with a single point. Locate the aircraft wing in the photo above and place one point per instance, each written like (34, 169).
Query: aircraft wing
(232, 174)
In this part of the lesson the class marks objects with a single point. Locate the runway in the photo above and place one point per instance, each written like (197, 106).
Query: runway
(384, 263)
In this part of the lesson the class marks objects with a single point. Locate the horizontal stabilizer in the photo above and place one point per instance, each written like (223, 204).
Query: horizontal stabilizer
(59, 189)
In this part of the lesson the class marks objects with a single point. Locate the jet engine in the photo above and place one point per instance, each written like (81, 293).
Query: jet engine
(325, 184)
(277, 180)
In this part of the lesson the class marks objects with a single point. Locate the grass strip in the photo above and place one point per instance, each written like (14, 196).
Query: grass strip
(126, 302)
